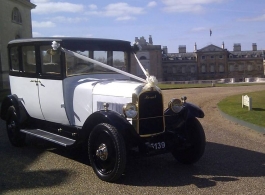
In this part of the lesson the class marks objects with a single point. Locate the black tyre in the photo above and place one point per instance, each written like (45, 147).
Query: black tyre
(15, 137)
(191, 150)
(107, 152)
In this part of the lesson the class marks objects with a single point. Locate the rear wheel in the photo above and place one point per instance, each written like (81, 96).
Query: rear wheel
(16, 138)
(193, 148)
(107, 152)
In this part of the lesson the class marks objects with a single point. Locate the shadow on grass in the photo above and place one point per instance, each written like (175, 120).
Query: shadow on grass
(259, 109)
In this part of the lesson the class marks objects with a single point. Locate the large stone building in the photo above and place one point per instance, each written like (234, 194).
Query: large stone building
(208, 63)
(212, 62)
(15, 23)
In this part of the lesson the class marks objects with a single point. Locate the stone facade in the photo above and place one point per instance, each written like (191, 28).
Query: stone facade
(15, 22)
(150, 57)
(212, 62)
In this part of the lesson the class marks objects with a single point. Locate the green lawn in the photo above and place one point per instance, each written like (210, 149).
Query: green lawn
(233, 106)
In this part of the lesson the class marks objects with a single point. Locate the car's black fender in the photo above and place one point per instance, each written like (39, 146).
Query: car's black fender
(12, 100)
(175, 120)
(115, 119)
(193, 110)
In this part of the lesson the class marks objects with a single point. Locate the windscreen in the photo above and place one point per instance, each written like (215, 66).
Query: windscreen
(77, 66)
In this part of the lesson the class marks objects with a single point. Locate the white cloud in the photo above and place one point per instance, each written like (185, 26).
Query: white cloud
(93, 7)
(47, 24)
(121, 11)
(39, 1)
(151, 4)
(36, 34)
(194, 6)
(63, 19)
(54, 7)
(60, 36)
(253, 19)
(198, 29)
(123, 18)
(87, 35)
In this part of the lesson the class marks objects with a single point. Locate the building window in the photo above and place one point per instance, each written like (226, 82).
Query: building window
(221, 56)
(250, 67)
(192, 70)
(142, 58)
(16, 16)
(240, 67)
(183, 69)
(174, 70)
(203, 69)
(212, 68)
(231, 68)
(203, 57)
(212, 57)
(221, 68)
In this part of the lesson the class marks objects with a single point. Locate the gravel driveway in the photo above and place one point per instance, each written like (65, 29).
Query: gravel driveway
(233, 163)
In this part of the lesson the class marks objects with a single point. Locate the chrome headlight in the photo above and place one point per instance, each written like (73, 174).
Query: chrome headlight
(130, 110)
(175, 105)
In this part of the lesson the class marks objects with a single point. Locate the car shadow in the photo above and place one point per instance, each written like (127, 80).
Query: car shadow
(220, 163)
(14, 171)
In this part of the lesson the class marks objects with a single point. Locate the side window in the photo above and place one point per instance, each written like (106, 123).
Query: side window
(29, 59)
(14, 59)
(50, 60)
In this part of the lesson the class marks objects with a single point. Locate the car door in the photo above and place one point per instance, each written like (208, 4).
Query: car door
(23, 79)
(50, 86)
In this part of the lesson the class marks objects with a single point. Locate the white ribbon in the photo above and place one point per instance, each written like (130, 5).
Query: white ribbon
(151, 80)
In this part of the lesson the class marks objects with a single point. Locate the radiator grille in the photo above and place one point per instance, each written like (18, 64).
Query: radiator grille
(150, 113)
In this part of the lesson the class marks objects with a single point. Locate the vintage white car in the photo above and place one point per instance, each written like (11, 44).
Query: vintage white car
(78, 91)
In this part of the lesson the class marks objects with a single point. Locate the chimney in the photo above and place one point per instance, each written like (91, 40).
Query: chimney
(195, 47)
(182, 48)
(254, 46)
(164, 49)
(223, 45)
(237, 47)
(150, 40)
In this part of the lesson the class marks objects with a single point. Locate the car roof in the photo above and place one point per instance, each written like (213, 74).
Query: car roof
(79, 43)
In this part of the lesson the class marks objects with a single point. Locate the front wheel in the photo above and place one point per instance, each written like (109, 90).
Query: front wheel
(15, 137)
(107, 152)
(193, 148)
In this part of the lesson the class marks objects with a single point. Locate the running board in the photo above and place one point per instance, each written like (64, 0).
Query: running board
(63, 141)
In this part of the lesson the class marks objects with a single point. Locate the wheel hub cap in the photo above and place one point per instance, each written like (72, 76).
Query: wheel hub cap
(102, 152)
(11, 126)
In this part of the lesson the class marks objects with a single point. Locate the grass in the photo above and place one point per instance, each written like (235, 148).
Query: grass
(233, 106)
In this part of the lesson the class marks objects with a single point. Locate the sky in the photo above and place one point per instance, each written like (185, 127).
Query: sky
(170, 22)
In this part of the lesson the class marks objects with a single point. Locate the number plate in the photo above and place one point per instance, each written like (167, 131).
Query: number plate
(158, 145)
